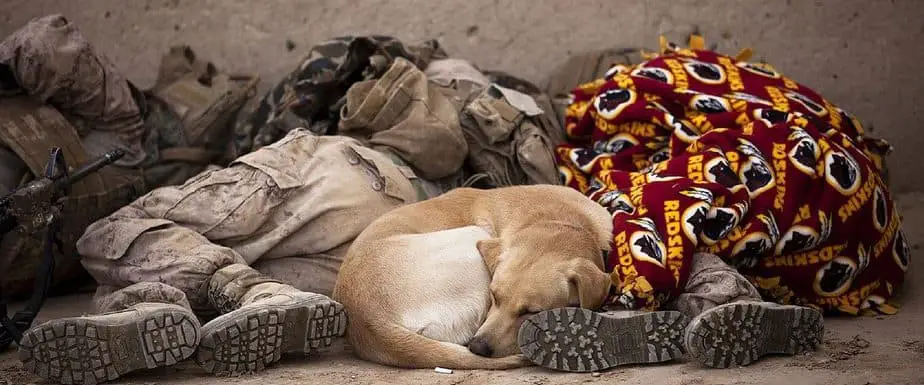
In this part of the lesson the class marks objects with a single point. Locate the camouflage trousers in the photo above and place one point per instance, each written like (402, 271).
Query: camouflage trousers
(712, 283)
(57, 90)
(290, 209)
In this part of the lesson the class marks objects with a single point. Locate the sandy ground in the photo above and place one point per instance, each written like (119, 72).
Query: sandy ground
(864, 55)
(868, 350)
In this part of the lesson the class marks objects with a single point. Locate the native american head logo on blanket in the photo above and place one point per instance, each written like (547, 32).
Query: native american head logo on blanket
(761, 170)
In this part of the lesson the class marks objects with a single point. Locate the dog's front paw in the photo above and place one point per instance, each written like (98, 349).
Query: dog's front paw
(515, 361)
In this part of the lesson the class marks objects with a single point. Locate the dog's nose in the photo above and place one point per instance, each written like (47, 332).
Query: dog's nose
(480, 347)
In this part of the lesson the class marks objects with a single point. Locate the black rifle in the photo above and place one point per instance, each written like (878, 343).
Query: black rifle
(33, 208)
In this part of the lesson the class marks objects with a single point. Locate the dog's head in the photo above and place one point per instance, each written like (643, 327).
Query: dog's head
(544, 266)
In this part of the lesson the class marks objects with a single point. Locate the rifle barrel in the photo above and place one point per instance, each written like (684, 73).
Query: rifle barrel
(98, 163)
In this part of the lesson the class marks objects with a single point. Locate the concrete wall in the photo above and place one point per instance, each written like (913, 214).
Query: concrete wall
(862, 54)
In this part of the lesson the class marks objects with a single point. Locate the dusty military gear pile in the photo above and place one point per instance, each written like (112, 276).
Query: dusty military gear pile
(507, 137)
(35, 208)
(57, 91)
(364, 125)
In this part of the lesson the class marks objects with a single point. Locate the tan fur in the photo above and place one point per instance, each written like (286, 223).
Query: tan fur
(416, 288)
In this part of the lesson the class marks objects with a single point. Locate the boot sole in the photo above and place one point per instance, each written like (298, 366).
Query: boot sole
(737, 334)
(88, 351)
(580, 340)
(251, 338)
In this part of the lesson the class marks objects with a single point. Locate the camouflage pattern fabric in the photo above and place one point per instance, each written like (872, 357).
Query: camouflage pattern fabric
(50, 60)
(311, 95)
(56, 90)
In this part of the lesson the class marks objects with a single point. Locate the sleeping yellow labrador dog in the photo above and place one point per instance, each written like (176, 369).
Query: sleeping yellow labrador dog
(467, 268)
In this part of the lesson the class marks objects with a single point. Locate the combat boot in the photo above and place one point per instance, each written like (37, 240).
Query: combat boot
(739, 333)
(262, 320)
(99, 348)
(581, 340)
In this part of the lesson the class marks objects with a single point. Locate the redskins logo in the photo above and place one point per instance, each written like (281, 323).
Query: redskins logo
(749, 149)
(615, 70)
(659, 107)
(626, 299)
(660, 156)
(804, 155)
(900, 251)
(645, 223)
(692, 220)
(750, 248)
(595, 185)
(797, 239)
(612, 102)
(742, 207)
(770, 116)
(654, 176)
(682, 130)
(862, 257)
(647, 246)
(770, 221)
(842, 172)
(616, 143)
(850, 121)
(872, 302)
(760, 68)
(718, 224)
(718, 171)
(698, 193)
(584, 158)
(705, 72)
(880, 215)
(564, 175)
(709, 104)
(835, 277)
(748, 98)
(757, 177)
(809, 104)
(617, 202)
(826, 222)
(659, 74)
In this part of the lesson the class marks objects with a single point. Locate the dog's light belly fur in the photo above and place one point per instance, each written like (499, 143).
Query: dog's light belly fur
(450, 296)
(417, 281)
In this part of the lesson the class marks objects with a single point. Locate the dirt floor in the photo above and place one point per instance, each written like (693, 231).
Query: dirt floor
(863, 54)
(880, 350)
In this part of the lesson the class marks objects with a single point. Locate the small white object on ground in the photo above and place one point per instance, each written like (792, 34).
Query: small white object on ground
(443, 370)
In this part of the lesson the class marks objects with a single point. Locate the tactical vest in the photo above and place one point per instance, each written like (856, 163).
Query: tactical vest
(30, 130)
(186, 118)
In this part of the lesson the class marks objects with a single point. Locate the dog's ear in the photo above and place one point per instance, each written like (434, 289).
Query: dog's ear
(490, 250)
(593, 284)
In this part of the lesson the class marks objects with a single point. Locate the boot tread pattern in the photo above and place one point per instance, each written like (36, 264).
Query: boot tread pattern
(740, 333)
(325, 325)
(83, 351)
(250, 343)
(256, 336)
(580, 340)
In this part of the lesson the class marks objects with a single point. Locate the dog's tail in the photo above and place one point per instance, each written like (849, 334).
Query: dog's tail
(395, 345)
